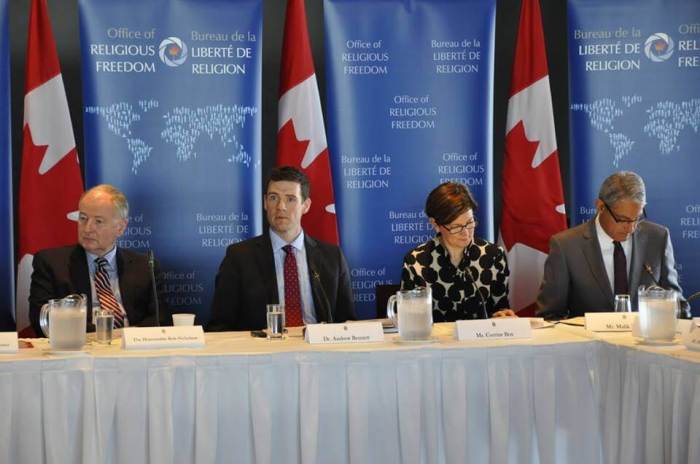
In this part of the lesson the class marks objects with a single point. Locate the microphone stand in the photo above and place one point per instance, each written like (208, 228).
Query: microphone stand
(151, 267)
(316, 277)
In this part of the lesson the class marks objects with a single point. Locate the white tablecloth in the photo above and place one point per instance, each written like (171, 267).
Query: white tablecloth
(551, 399)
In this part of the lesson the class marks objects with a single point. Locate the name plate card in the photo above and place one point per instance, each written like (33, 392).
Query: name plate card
(155, 338)
(493, 329)
(691, 339)
(610, 322)
(8, 342)
(353, 332)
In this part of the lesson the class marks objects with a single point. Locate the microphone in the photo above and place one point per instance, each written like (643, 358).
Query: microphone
(316, 278)
(151, 267)
(476, 289)
(647, 268)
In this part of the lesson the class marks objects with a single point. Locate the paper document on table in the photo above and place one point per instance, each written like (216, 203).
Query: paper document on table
(579, 321)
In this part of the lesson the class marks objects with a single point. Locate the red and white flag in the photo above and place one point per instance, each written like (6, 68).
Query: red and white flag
(533, 199)
(301, 140)
(50, 182)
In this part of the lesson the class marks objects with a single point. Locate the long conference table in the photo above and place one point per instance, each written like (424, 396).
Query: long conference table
(564, 396)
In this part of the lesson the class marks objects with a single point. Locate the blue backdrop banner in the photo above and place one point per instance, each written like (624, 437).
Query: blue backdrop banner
(635, 105)
(7, 258)
(410, 87)
(172, 95)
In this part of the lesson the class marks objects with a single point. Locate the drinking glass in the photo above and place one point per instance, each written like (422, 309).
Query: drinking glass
(623, 304)
(275, 321)
(104, 327)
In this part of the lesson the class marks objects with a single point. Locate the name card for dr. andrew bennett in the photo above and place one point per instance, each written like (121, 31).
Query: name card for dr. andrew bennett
(610, 322)
(156, 338)
(493, 329)
(8, 342)
(351, 332)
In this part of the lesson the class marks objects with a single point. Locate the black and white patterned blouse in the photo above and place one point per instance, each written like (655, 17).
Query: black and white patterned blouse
(454, 296)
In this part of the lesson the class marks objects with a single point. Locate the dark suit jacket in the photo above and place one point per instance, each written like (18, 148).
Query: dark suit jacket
(575, 280)
(246, 282)
(61, 271)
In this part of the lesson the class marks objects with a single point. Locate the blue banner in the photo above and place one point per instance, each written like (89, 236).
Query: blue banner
(410, 91)
(7, 258)
(635, 105)
(172, 97)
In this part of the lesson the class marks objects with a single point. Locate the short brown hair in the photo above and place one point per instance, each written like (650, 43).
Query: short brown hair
(291, 174)
(447, 201)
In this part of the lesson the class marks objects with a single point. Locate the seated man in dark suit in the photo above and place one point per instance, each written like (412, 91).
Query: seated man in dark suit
(309, 277)
(118, 280)
(615, 253)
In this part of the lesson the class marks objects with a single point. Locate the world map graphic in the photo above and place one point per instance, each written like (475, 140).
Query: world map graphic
(664, 122)
(182, 127)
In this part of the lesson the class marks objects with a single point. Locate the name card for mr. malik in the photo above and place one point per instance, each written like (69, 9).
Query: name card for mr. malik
(8, 342)
(493, 329)
(155, 338)
(352, 332)
(610, 322)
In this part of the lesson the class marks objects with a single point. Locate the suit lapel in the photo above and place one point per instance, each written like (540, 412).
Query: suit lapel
(265, 261)
(594, 257)
(122, 263)
(80, 274)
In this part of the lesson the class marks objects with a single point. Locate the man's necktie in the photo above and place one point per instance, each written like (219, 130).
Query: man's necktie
(292, 294)
(620, 267)
(105, 294)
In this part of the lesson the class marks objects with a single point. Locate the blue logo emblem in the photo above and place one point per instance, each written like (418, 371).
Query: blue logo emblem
(658, 47)
(172, 51)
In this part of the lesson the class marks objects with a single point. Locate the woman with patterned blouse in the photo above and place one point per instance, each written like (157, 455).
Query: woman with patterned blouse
(468, 275)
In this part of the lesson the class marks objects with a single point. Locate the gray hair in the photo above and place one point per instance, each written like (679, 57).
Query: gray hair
(118, 198)
(623, 185)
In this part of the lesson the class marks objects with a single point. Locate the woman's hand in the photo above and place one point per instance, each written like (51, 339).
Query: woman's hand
(505, 313)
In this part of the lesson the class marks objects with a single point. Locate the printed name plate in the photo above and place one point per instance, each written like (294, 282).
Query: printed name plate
(351, 332)
(155, 338)
(691, 339)
(493, 329)
(8, 342)
(610, 322)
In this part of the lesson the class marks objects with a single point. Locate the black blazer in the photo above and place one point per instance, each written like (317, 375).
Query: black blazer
(61, 271)
(246, 282)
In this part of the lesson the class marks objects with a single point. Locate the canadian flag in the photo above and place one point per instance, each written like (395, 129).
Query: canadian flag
(533, 199)
(50, 181)
(301, 140)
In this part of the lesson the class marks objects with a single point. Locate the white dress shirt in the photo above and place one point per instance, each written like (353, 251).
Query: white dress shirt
(607, 249)
(307, 300)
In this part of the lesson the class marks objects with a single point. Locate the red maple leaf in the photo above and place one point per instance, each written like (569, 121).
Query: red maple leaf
(46, 199)
(290, 152)
(530, 195)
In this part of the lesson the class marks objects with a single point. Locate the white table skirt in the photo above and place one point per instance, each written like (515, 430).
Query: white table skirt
(559, 398)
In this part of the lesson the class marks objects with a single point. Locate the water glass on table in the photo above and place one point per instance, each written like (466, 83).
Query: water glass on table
(623, 304)
(104, 327)
(275, 321)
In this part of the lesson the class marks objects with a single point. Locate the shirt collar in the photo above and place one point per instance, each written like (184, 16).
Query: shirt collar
(110, 256)
(278, 242)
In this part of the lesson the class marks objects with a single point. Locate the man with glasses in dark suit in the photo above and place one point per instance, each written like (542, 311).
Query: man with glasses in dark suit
(614, 253)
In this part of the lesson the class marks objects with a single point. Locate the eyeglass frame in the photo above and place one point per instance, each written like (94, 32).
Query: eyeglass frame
(455, 229)
(617, 220)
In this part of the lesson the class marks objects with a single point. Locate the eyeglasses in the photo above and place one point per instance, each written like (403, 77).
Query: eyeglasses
(618, 220)
(459, 228)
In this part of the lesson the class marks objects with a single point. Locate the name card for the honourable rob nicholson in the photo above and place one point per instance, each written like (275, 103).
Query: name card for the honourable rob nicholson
(610, 322)
(8, 342)
(351, 332)
(493, 329)
(155, 338)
